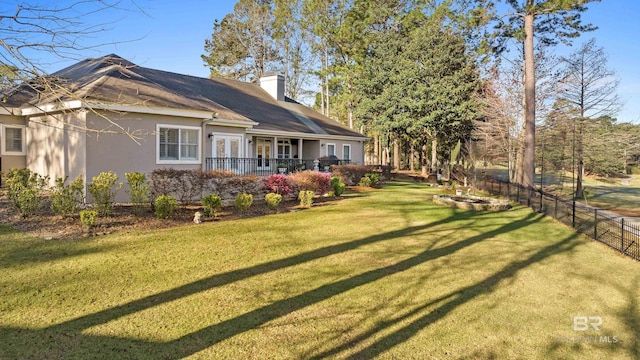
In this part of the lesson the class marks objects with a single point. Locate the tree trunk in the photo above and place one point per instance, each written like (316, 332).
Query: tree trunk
(326, 81)
(412, 157)
(423, 160)
(396, 151)
(528, 156)
(376, 149)
(580, 163)
(434, 155)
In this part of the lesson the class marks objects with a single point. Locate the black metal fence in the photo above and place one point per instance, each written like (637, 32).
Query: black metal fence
(268, 166)
(598, 224)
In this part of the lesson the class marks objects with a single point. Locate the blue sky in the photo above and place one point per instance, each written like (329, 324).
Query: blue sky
(170, 36)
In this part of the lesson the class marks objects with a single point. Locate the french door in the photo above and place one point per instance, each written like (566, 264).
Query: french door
(263, 153)
(227, 150)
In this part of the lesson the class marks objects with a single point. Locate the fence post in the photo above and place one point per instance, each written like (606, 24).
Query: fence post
(573, 215)
(541, 196)
(555, 208)
(529, 197)
(622, 237)
(595, 225)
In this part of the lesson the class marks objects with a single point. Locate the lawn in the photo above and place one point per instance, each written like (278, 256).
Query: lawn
(383, 273)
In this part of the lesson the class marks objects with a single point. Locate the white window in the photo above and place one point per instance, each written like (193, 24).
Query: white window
(331, 149)
(13, 140)
(346, 152)
(178, 144)
(284, 149)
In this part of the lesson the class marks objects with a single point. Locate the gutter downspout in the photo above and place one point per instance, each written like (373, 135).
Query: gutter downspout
(203, 151)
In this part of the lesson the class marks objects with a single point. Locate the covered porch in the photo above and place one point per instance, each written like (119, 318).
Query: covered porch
(268, 166)
(264, 155)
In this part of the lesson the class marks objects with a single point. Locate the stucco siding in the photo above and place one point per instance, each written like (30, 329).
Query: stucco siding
(8, 162)
(111, 149)
(357, 150)
(56, 146)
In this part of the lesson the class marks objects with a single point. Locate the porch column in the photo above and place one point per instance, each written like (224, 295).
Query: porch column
(275, 147)
(300, 150)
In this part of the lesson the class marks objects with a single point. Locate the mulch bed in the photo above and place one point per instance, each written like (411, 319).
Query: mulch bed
(50, 226)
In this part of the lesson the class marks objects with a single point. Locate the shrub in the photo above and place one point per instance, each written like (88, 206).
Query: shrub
(365, 181)
(66, 199)
(243, 202)
(138, 191)
(306, 198)
(273, 200)
(319, 183)
(88, 218)
(241, 184)
(165, 206)
(211, 204)
(374, 177)
(165, 182)
(337, 186)
(24, 189)
(351, 174)
(103, 188)
(187, 185)
(278, 183)
(184, 185)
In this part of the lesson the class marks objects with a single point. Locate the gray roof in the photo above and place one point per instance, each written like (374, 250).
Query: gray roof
(113, 80)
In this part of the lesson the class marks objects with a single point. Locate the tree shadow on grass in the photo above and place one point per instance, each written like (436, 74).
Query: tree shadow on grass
(57, 336)
(20, 253)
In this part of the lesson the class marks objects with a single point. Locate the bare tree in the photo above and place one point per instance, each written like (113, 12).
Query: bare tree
(590, 87)
(504, 109)
(35, 35)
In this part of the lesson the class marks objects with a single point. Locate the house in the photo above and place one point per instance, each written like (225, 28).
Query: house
(113, 115)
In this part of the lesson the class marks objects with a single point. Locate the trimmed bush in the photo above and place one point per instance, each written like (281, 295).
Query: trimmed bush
(374, 177)
(88, 218)
(24, 189)
(165, 206)
(138, 191)
(319, 183)
(306, 198)
(188, 185)
(351, 174)
(243, 202)
(365, 181)
(273, 200)
(66, 199)
(337, 186)
(103, 189)
(279, 184)
(211, 205)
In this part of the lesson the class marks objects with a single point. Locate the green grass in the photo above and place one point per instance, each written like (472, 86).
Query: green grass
(384, 273)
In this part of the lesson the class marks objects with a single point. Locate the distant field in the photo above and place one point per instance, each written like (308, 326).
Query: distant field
(620, 195)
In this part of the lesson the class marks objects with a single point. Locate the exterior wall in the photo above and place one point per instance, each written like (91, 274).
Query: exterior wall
(212, 130)
(121, 154)
(357, 149)
(8, 162)
(310, 149)
(56, 145)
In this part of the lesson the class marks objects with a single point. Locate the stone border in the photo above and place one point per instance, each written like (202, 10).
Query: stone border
(480, 204)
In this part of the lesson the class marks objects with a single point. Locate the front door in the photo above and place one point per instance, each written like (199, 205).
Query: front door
(227, 150)
(263, 152)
